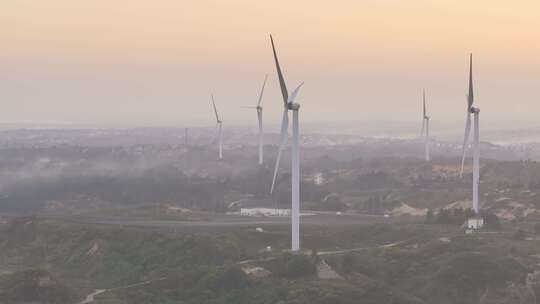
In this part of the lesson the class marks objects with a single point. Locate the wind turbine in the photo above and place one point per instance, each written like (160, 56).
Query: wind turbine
(425, 128)
(471, 110)
(259, 109)
(219, 124)
(289, 104)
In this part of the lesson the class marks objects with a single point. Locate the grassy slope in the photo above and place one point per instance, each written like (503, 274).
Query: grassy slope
(199, 266)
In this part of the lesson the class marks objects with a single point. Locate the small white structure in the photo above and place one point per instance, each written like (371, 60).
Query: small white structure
(265, 212)
(475, 222)
(256, 272)
(318, 179)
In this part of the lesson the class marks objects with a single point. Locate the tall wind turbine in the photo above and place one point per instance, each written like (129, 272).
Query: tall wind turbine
(259, 109)
(425, 128)
(219, 124)
(471, 110)
(289, 104)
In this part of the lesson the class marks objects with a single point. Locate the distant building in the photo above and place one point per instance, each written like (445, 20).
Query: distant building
(475, 223)
(318, 179)
(265, 212)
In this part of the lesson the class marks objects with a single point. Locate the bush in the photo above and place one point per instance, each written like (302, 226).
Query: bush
(348, 263)
(492, 220)
(300, 266)
(294, 266)
(34, 286)
(228, 278)
(537, 228)
(232, 278)
(429, 216)
(465, 276)
(519, 235)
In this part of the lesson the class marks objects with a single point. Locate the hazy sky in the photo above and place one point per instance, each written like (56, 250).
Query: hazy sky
(156, 62)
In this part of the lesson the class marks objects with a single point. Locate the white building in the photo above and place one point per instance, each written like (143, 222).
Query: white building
(475, 222)
(264, 212)
(318, 179)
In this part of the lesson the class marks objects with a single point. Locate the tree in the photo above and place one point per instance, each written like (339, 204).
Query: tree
(492, 220)
(299, 266)
(429, 216)
(537, 228)
(315, 254)
(443, 217)
(231, 278)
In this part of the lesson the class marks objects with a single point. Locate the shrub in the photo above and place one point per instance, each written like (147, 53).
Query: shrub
(348, 263)
(299, 266)
(537, 228)
(294, 266)
(519, 235)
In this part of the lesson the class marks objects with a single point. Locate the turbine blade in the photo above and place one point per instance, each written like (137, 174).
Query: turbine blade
(216, 133)
(284, 127)
(465, 141)
(220, 132)
(259, 118)
(423, 113)
(262, 90)
(282, 84)
(282, 142)
(215, 109)
(470, 97)
(424, 99)
(294, 93)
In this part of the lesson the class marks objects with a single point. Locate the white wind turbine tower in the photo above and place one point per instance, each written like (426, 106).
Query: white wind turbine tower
(259, 109)
(219, 124)
(425, 128)
(289, 104)
(471, 110)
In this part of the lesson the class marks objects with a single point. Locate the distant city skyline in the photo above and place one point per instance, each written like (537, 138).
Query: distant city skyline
(136, 63)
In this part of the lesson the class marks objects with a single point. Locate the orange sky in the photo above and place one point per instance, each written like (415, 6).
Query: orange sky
(155, 62)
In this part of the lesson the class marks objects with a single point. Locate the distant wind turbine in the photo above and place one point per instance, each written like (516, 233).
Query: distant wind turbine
(259, 109)
(219, 124)
(289, 104)
(425, 128)
(476, 140)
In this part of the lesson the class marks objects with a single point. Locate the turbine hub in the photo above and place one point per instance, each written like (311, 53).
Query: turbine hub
(474, 110)
(293, 106)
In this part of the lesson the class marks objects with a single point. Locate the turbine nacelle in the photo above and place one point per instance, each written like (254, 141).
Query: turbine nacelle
(474, 110)
(293, 106)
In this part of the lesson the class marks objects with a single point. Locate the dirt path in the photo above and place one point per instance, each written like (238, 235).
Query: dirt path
(359, 249)
(90, 298)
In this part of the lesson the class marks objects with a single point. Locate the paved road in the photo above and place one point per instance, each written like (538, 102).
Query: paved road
(324, 219)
